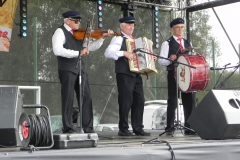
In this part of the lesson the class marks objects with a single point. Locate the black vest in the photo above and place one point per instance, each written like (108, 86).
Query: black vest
(122, 65)
(174, 48)
(69, 64)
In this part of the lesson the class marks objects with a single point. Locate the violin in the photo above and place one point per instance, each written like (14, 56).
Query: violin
(93, 33)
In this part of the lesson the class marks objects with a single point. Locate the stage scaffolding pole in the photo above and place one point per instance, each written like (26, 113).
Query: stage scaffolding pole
(35, 56)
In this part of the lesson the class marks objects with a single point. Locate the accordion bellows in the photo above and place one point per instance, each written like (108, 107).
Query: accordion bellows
(143, 62)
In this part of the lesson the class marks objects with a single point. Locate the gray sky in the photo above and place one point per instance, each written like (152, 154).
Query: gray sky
(230, 18)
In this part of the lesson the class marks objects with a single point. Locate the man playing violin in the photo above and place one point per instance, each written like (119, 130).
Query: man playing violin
(67, 50)
(130, 85)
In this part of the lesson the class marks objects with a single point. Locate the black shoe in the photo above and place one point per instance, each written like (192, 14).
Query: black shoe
(68, 131)
(89, 131)
(125, 133)
(170, 132)
(188, 132)
(142, 133)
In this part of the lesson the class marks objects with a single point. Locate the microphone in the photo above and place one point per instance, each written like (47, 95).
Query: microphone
(136, 50)
(226, 64)
(213, 68)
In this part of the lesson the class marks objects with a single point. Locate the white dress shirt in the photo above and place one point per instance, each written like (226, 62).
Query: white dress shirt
(113, 50)
(58, 40)
(164, 52)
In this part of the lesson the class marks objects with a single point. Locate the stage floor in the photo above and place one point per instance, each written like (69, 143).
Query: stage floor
(111, 146)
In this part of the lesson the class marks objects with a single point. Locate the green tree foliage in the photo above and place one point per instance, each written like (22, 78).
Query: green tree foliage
(200, 35)
(17, 66)
(202, 39)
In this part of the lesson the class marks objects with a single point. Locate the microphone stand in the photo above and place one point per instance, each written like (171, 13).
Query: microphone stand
(225, 80)
(178, 125)
(79, 62)
(219, 78)
(176, 64)
(139, 50)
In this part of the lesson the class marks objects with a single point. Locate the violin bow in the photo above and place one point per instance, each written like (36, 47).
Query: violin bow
(90, 27)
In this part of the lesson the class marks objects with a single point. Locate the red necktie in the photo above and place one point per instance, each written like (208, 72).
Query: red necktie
(71, 31)
(181, 46)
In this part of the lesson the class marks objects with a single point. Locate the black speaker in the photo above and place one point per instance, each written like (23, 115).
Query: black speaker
(10, 112)
(218, 115)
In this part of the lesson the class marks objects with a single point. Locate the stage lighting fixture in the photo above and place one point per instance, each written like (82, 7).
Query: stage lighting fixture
(100, 13)
(128, 10)
(155, 29)
(23, 18)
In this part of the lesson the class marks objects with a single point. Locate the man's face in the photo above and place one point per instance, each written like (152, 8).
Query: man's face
(73, 23)
(178, 30)
(127, 28)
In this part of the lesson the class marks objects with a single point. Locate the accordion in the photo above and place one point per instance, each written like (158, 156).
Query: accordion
(142, 63)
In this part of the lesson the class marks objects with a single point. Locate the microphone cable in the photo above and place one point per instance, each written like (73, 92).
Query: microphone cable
(158, 141)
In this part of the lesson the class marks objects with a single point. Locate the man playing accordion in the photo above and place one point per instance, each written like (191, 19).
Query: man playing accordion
(130, 85)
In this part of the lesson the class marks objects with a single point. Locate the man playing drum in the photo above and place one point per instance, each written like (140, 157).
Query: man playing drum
(172, 48)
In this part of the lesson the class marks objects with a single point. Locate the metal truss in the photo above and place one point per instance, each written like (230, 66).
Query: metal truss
(204, 2)
(162, 4)
(195, 5)
(173, 5)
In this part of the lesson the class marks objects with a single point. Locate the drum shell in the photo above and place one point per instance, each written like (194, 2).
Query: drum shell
(194, 79)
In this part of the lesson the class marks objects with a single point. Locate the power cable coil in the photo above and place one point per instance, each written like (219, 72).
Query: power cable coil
(40, 130)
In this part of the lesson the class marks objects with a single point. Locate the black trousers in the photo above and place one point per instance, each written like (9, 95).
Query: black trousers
(69, 84)
(130, 96)
(187, 101)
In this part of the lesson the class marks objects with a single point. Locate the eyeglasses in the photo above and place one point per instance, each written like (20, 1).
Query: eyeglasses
(179, 27)
(75, 20)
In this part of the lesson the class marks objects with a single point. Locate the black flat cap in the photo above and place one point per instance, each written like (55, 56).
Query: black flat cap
(71, 14)
(129, 19)
(176, 21)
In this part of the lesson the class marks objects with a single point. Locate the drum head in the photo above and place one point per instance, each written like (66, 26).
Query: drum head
(183, 74)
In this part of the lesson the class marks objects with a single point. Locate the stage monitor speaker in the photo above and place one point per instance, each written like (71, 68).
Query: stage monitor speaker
(218, 115)
(10, 111)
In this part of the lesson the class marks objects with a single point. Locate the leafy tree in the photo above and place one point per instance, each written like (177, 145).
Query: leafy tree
(17, 66)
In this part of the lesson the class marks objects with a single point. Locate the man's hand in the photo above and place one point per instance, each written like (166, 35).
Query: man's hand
(173, 57)
(109, 33)
(128, 55)
(84, 52)
(155, 58)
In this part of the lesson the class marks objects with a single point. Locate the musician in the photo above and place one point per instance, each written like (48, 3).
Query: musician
(67, 50)
(130, 85)
(172, 48)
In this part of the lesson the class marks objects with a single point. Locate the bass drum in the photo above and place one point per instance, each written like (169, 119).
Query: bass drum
(190, 79)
